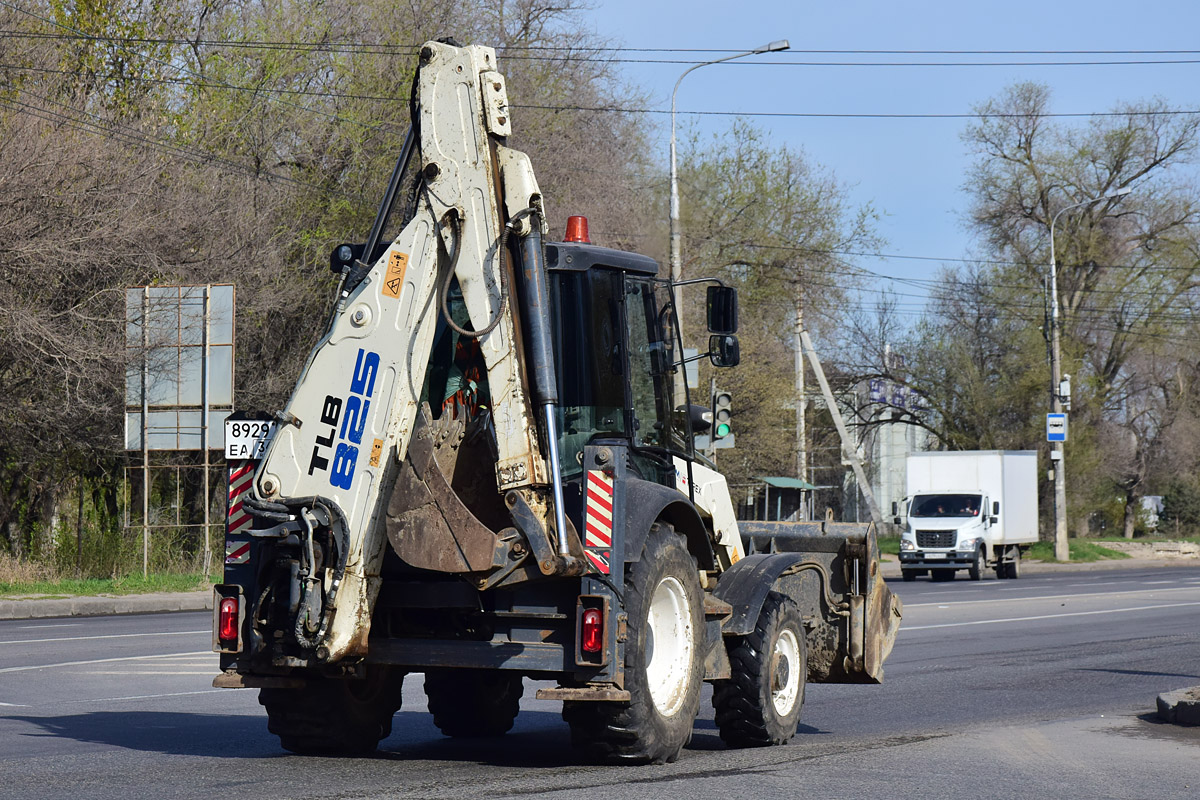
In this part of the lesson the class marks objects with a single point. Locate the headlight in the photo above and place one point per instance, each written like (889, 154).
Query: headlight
(908, 544)
(968, 544)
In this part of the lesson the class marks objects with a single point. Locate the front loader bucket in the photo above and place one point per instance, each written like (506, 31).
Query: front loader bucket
(838, 583)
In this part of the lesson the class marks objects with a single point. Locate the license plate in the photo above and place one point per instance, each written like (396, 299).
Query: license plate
(247, 438)
(935, 555)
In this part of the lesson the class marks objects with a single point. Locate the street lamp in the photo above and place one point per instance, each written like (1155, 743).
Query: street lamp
(773, 47)
(1057, 381)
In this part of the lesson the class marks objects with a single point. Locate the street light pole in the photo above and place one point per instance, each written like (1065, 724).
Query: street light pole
(1058, 452)
(676, 269)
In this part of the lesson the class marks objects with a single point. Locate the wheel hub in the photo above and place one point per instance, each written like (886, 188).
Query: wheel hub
(785, 673)
(669, 643)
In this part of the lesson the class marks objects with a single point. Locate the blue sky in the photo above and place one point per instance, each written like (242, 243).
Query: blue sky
(912, 170)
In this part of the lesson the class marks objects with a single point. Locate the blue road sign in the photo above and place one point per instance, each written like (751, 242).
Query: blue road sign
(1056, 427)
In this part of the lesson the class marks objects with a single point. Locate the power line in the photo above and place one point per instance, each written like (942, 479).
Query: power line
(340, 46)
(334, 95)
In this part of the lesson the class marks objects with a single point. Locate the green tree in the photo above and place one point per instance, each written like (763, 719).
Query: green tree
(768, 220)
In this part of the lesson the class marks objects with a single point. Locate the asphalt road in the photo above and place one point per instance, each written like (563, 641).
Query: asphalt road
(1041, 687)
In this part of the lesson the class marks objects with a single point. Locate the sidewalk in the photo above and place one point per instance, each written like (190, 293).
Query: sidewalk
(40, 607)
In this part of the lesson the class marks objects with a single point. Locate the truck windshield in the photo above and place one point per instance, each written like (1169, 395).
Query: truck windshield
(946, 505)
(649, 315)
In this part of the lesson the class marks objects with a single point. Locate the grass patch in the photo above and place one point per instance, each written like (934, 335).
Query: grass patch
(1145, 539)
(1080, 549)
(889, 545)
(83, 587)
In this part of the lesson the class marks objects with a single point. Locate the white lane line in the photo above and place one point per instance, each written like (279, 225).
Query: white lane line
(139, 673)
(108, 636)
(60, 625)
(97, 661)
(1103, 583)
(14, 705)
(1044, 616)
(1053, 596)
(141, 696)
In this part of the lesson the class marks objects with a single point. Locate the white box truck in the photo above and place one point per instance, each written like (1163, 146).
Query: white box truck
(969, 509)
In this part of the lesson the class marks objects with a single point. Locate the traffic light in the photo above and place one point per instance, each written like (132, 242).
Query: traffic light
(722, 415)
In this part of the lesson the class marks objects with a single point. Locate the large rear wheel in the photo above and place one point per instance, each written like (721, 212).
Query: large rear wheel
(760, 704)
(471, 703)
(335, 716)
(664, 665)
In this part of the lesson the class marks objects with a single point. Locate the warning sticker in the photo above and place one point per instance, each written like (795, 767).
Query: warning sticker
(394, 280)
(376, 451)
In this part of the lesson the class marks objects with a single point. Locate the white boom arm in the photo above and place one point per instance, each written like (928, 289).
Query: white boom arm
(356, 401)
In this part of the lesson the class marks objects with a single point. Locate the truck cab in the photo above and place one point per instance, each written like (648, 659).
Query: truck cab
(948, 531)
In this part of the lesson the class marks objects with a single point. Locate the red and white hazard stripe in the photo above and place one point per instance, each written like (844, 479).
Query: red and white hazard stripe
(236, 552)
(598, 522)
(241, 476)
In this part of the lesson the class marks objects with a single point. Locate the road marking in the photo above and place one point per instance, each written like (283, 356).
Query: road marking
(1045, 616)
(108, 636)
(1053, 596)
(14, 705)
(213, 670)
(98, 661)
(61, 625)
(141, 696)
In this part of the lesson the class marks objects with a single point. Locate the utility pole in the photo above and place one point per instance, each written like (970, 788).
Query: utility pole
(848, 451)
(1058, 455)
(801, 399)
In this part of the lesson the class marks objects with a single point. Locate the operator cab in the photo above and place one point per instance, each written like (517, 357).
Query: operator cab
(618, 354)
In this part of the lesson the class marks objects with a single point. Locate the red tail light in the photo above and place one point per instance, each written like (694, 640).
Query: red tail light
(227, 621)
(577, 230)
(591, 637)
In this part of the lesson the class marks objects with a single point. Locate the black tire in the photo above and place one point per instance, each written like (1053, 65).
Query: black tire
(473, 704)
(334, 716)
(760, 704)
(665, 693)
(978, 566)
(1014, 566)
(941, 575)
(909, 575)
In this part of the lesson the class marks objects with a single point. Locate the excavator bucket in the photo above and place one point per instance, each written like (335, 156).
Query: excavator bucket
(838, 586)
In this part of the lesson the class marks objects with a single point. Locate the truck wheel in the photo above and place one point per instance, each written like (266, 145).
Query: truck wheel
(908, 575)
(978, 566)
(471, 703)
(664, 661)
(1014, 566)
(941, 575)
(335, 716)
(760, 704)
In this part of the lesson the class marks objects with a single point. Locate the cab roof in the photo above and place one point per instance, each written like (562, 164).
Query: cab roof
(578, 257)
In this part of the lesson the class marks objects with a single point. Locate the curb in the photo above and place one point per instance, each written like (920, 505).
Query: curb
(1181, 707)
(891, 569)
(38, 608)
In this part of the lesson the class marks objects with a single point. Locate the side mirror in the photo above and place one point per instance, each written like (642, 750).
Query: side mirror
(995, 520)
(895, 520)
(995, 508)
(895, 509)
(722, 309)
(724, 351)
